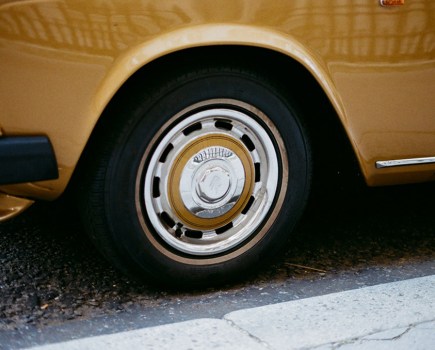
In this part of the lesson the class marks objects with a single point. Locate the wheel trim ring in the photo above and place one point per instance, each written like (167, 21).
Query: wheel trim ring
(175, 256)
(195, 147)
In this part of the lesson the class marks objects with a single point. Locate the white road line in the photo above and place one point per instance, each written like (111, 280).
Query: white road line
(340, 317)
(341, 320)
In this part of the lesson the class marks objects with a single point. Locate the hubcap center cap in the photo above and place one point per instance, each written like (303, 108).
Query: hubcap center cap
(212, 181)
(213, 185)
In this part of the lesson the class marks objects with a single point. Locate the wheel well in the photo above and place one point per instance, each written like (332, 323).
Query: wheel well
(334, 160)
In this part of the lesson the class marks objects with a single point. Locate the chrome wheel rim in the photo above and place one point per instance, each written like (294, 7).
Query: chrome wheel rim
(212, 179)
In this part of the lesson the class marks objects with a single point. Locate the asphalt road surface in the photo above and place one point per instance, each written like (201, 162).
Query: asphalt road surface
(54, 285)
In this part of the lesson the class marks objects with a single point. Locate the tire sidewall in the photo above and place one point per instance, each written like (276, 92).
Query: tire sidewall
(125, 213)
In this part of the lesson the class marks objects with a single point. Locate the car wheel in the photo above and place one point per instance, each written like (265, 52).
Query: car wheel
(199, 181)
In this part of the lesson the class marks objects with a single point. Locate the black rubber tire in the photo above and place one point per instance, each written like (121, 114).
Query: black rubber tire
(118, 224)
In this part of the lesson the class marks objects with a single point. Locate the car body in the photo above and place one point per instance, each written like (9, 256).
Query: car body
(63, 62)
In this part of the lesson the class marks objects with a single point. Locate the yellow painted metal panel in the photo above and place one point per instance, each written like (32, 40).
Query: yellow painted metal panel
(62, 61)
(11, 206)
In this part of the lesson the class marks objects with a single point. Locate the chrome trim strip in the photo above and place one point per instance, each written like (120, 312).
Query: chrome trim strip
(403, 162)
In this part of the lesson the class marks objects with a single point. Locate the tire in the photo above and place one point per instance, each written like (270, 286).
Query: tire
(200, 181)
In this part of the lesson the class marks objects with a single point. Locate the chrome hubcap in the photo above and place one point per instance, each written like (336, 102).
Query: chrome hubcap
(197, 172)
(211, 180)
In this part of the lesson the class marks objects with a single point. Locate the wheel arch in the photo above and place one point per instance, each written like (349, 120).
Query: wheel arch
(281, 56)
(191, 39)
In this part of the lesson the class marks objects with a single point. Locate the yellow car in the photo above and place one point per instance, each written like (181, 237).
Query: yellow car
(189, 125)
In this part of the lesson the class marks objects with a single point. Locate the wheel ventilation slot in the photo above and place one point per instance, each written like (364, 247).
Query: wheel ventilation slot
(257, 172)
(192, 128)
(156, 187)
(223, 124)
(248, 205)
(178, 233)
(248, 142)
(166, 152)
(167, 219)
(224, 228)
(193, 234)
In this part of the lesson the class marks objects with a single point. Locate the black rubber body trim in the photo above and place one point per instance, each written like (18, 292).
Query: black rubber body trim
(26, 159)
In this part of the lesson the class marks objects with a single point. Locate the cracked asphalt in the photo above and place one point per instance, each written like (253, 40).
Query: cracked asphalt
(397, 315)
(52, 276)
(401, 338)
